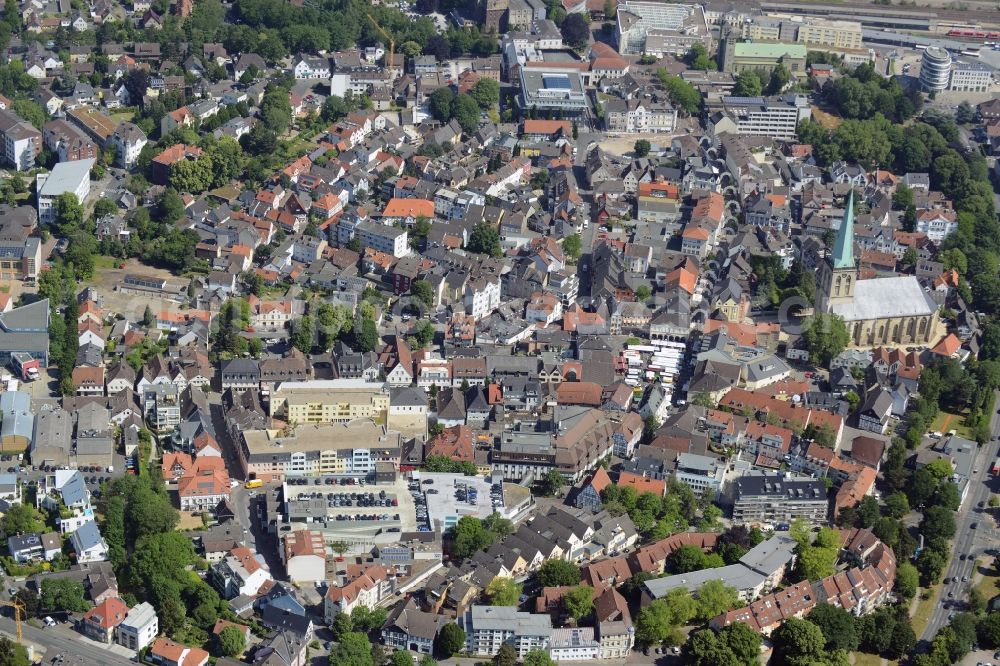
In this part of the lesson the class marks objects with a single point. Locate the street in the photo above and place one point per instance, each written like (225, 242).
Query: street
(57, 639)
(967, 540)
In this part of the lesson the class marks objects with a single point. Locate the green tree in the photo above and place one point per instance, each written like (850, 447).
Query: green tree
(440, 103)
(104, 207)
(572, 247)
(579, 602)
(232, 643)
(642, 293)
(366, 336)
(423, 292)
(938, 523)
(930, 563)
(503, 591)
(748, 84)
(735, 645)
(469, 536)
(352, 649)
(22, 519)
(538, 657)
(69, 214)
(486, 92)
(62, 594)
(552, 483)
(655, 624)
(799, 642)
(450, 639)
(303, 334)
(558, 573)
(11, 653)
(988, 630)
(682, 94)
(342, 624)
(575, 30)
(506, 656)
(170, 206)
(837, 626)
(485, 239)
(466, 112)
(401, 658)
(897, 505)
(685, 559)
(825, 337)
(641, 148)
(715, 597)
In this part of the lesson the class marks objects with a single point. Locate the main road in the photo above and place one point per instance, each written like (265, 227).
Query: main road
(56, 640)
(966, 538)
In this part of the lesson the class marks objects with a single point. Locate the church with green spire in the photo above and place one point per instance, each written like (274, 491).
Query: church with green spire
(877, 311)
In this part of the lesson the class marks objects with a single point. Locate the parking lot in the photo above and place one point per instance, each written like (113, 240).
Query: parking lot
(359, 511)
(444, 498)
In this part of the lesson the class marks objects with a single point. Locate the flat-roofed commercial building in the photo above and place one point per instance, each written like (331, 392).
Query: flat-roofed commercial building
(329, 401)
(776, 117)
(970, 77)
(659, 28)
(814, 31)
(308, 450)
(552, 91)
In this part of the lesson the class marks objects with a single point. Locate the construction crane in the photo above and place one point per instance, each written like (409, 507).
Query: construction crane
(18, 615)
(392, 42)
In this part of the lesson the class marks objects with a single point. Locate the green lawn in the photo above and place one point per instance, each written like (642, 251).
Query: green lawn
(925, 608)
(989, 586)
(105, 262)
(865, 659)
(946, 421)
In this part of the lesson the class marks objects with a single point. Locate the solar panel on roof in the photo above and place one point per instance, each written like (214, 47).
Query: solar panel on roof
(560, 81)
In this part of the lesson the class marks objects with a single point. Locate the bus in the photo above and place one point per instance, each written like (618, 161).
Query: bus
(254, 483)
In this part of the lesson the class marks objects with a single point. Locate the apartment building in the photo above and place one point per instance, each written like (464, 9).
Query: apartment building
(67, 141)
(626, 116)
(391, 240)
(128, 141)
(770, 498)
(139, 628)
(329, 401)
(489, 627)
(776, 117)
(22, 142)
(65, 177)
(241, 572)
(307, 450)
(161, 403)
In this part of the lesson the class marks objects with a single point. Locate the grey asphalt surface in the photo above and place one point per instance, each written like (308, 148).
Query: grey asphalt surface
(60, 639)
(967, 540)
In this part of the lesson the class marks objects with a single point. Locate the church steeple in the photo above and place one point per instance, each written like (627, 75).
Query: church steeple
(843, 249)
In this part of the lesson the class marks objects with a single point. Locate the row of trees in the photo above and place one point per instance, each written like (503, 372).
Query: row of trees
(825, 638)
(661, 620)
(465, 108)
(470, 534)
(657, 517)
